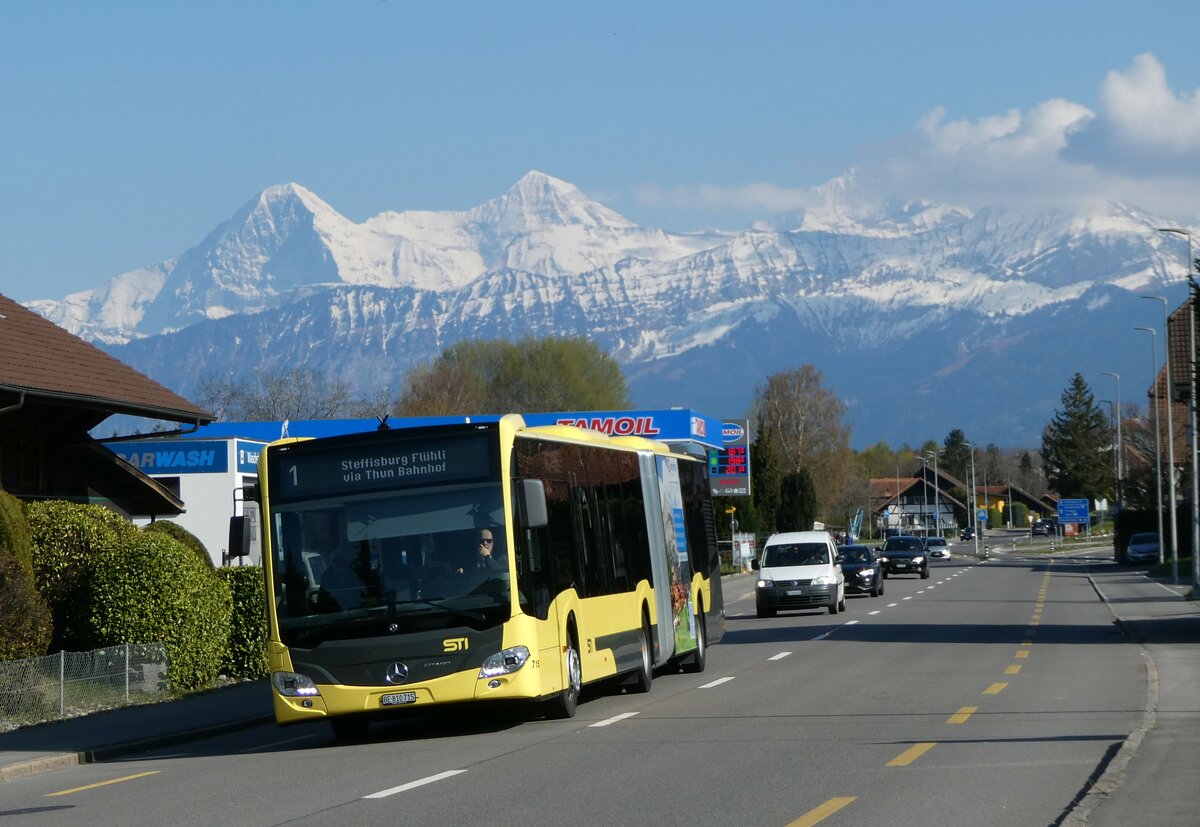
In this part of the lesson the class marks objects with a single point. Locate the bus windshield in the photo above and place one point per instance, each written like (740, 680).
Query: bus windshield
(406, 559)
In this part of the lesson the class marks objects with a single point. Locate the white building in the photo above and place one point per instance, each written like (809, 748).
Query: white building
(207, 474)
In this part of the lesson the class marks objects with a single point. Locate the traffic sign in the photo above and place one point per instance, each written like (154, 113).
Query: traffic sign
(1072, 511)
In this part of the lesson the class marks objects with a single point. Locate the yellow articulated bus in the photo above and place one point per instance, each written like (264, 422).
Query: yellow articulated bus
(480, 561)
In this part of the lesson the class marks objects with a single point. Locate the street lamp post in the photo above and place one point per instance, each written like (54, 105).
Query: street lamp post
(1120, 454)
(974, 501)
(1157, 436)
(1193, 291)
(1117, 459)
(937, 508)
(924, 496)
(1170, 437)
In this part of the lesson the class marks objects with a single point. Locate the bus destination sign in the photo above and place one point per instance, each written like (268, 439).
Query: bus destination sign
(380, 462)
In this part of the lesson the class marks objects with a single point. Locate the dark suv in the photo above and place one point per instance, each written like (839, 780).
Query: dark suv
(905, 554)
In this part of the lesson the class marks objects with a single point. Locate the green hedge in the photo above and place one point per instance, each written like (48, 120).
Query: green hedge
(184, 536)
(67, 537)
(25, 628)
(14, 531)
(108, 583)
(156, 589)
(246, 656)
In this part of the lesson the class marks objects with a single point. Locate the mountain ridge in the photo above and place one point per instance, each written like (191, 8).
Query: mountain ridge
(287, 279)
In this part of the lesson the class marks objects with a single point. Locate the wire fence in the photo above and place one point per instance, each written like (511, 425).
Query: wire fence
(70, 684)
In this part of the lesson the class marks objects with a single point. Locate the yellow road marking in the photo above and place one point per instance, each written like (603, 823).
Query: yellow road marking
(1013, 669)
(995, 689)
(1022, 653)
(961, 716)
(1035, 623)
(102, 784)
(911, 754)
(819, 814)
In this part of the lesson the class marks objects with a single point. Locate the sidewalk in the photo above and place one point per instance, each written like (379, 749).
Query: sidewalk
(1151, 780)
(115, 732)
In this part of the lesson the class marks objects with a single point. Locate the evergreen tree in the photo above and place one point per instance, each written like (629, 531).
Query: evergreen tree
(956, 456)
(797, 502)
(765, 477)
(1075, 445)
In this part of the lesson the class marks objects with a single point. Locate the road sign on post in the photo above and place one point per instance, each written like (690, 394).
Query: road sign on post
(1073, 511)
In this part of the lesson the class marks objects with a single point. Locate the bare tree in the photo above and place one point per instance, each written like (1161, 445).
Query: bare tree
(295, 393)
(807, 419)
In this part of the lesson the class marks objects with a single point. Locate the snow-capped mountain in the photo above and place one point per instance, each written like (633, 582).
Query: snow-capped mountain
(902, 306)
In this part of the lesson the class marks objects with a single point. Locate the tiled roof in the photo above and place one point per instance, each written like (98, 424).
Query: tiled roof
(887, 487)
(40, 358)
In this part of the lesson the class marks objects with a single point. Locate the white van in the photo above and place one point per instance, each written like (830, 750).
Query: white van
(799, 570)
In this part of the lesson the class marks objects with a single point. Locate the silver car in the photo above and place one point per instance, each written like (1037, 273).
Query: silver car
(938, 547)
(1142, 548)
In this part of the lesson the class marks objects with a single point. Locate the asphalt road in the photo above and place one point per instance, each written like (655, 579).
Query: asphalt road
(992, 693)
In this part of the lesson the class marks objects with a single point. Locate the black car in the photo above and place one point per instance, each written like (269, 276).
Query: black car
(967, 533)
(861, 568)
(1042, 528)
(905, 554)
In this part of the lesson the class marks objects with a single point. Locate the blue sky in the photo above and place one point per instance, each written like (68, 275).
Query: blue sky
(130, 130)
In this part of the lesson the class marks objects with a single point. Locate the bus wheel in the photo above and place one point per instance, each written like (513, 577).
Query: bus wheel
(695, 662)
(644, 676)
(350, 728)
(564, 704)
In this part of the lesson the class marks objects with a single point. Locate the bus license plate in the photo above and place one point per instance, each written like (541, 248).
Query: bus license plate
(398, 698)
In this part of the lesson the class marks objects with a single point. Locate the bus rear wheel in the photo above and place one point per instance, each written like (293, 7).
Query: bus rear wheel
(564, 704)
(644, 676)
(695, 662)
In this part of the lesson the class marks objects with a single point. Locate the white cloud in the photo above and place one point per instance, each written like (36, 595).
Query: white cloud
(1142, 147)
(1044, 130)
(1143, 111)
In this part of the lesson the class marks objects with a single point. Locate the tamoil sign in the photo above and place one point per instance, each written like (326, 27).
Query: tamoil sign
(729, 466)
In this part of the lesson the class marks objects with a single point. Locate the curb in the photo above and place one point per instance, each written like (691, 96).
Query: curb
(96, 755)
(36, 766)
(104, 753)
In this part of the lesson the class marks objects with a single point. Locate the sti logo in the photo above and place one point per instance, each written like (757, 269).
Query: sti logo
(732, 431)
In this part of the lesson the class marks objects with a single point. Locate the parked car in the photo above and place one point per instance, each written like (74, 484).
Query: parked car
(904, 555)
(861, 569)
(1042, 528)
(1142, 548)
(938, 547)
(799, 570)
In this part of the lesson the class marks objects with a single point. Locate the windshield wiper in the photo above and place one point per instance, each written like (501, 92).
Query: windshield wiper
(475, 617)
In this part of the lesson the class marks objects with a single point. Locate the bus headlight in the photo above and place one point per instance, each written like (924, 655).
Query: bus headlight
(293, 684)
(505, 662)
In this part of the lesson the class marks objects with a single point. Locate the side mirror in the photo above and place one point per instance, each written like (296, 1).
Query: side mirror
(530, 504)
(841, 558)
(754, 565)
(239, 537)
